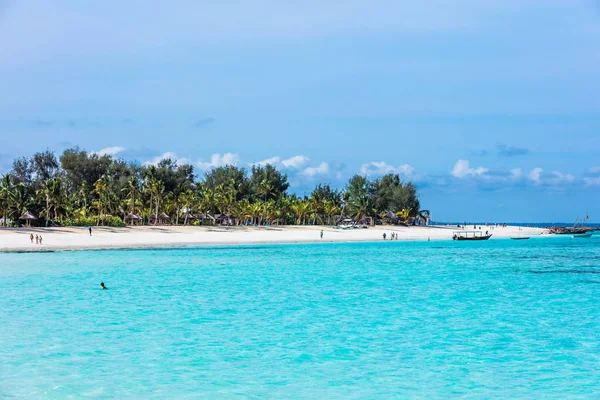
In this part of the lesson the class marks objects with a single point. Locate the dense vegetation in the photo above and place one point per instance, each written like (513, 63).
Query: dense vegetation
(78, 188)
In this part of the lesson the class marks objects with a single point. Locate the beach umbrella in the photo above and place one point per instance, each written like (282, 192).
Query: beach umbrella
(28, 217)
(132, 218)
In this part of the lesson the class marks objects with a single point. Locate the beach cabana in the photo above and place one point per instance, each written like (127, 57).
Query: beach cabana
(162, 218)
(188, 216)
(390, 218)
(132, 219)
(224, 219)
(28, 217)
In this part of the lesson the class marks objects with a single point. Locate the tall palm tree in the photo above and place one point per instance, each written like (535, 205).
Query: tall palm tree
(6, 188)
(83, 193)
(19, 201)
(158, 190)
(132, 191)
(330, 209)
(186, 200)
(47, 192)
(102, 189)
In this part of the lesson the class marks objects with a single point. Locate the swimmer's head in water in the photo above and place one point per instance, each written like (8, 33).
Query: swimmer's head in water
(102, 285)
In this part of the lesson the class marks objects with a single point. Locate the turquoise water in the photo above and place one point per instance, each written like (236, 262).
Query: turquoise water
(497, 319)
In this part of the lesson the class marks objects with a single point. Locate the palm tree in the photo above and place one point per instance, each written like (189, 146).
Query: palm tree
(102, 189)
(157, 189)
(186, 199)
(6, 189)
(132, 191)
(362, 206)
(47, 191)
(83, 198)
(19, 201)
(404, 213)
(300, 208)
(330, 209)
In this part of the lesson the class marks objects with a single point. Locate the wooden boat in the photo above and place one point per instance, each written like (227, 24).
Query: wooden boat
(519, 237)
(585, 235)
(470, 235)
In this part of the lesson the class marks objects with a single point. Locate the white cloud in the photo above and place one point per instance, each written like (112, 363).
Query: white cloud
(592, 181)
(108, 151)
(295, 162)
(560, 179)
(536, 175)
(270, 161)
(168, 155)
(381, 168)
(217, 160)
(557, 178)
(516, 173)
(594, 170)
(462, 169)
(321, 169)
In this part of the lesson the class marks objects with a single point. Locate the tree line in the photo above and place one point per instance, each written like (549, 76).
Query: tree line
(80, 188)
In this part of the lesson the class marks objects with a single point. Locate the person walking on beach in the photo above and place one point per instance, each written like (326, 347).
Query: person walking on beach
(37, 240)
(90, 229)
(384, 235)
(31, 237)
(40, 239)
(321, 234)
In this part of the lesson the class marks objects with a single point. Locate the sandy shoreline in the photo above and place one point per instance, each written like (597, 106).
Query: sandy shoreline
(78, 238)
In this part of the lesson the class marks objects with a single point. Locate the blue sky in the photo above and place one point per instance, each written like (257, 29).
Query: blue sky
(491, 107)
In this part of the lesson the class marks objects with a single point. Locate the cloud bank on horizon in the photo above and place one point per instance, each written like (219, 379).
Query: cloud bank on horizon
(479, 102)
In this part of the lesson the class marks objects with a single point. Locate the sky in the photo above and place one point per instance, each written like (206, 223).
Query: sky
(492, 108)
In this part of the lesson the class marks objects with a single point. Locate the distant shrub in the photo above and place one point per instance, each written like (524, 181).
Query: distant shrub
(109, 220)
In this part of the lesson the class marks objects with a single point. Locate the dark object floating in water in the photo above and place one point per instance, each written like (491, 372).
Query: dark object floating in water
(585, 235)
(519, 237)
(470, 235)
(568, 271)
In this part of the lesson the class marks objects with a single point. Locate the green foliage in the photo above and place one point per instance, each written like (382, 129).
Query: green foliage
(87, 189)
(391, 194)
(228, 176)
(267, 182)
(109, 220)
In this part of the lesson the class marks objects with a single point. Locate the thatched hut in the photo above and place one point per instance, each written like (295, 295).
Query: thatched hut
(188, 216)
(390, 218)
(224, 219)
(28, 217)
(132, 219)
(162, 218)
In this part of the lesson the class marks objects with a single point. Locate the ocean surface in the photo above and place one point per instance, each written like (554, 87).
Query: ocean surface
(495, 319)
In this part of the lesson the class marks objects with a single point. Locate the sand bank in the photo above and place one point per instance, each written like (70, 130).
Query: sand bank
(167, 236)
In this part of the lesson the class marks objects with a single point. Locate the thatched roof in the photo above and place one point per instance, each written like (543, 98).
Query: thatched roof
(189, 215)
(132, 217)
(27, 216)
(390, 215)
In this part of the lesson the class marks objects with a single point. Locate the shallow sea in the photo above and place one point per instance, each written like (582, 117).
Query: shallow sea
(496, 319)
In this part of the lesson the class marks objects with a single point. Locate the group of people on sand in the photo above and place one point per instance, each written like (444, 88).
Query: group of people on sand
(38, 239)
(394, 236)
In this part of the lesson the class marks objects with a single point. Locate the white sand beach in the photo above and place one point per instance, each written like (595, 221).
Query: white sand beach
(78, 238)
